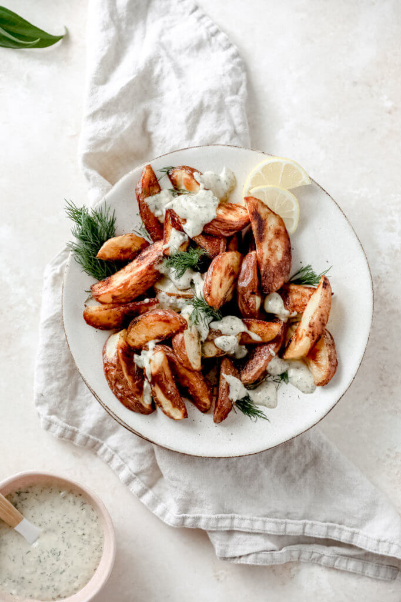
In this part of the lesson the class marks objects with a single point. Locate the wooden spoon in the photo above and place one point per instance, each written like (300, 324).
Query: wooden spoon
(13, 518)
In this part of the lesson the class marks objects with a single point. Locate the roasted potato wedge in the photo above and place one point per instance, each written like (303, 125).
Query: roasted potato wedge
(147, 186)
(187, 347)
(313, 322)
(273, 246)
(165, 285)
(122, 248)
(322, 359)
(259, 358)
(233, 243)
(221, 278)
(230, 219)
(209, 349)
(296, 296)
(123, 377)
(164, 389)
(112, 315)
(182, 178)
(133, 280)
(224, 405)
(155, 325)
(172, 222)
(213, 245)
(248, 241)
(249, 293)
(267, 331)
(193, 382)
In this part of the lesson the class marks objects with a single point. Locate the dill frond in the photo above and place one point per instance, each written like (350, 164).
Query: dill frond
(183, 260)
(141, 231)
(202, 312)
(307, 276)
(92, 228)
(249, 408)
(165, 170)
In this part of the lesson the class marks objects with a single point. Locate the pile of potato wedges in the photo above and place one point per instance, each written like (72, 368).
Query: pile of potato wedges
(248, 256)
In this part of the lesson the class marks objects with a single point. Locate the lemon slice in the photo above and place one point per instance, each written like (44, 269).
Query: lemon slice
(276, 171)
(282, 202)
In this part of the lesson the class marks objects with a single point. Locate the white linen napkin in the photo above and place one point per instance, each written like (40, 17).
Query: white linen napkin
(162, 76)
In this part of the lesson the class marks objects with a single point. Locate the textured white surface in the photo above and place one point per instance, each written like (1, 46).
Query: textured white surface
(324, 90)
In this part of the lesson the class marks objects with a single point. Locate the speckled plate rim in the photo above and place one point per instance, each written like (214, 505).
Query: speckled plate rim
(105, 567)
(127, 426)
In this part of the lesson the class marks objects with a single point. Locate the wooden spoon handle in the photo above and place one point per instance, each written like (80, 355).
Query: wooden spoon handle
(9, 513)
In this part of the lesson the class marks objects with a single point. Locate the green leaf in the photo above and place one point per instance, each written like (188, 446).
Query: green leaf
(307, 276)
(183, 260)
(16, 32)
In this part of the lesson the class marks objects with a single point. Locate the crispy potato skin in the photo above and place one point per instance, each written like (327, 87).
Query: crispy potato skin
(198, 389)
(128, 392)
(148, 185)
(182, 178)
(209, 349)
(249, 293)
(112, 315)
(233, 243)
(187, 348)
(322, 360)
(133, 280)
(133, 375)
(296, 296)
(259, 359)
(230, 219)
(164, 389)
(273, 246)
(267, 331)
(122, 248)
(213, 245)
(172, 220)
(221, 278)
(224, 405)
(313, 322)
(157, 324)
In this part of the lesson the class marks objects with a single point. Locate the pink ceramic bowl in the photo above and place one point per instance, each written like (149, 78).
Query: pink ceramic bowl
(93, 587)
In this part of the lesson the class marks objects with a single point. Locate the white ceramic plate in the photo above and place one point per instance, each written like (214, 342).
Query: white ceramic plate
(324, 238)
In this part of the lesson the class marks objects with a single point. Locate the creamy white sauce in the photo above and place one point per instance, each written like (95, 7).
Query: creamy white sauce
(177, 238)
(171, 301)
(298, 373)
(265, 394)
(274, 305)
(159, 203)
(65, 556)
(183, 282)
(230, 344)
(231, 325)
(220, 184)
(144, 359)
(300, 377)
(197, 209)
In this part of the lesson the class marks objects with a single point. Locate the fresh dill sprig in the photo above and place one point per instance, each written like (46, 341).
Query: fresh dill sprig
(249, 408)
(92, 228)
(202, 312)
(141, 231)
(165, 170)
(178, 191)
(284, 377)
(308, 276)
(182, 260)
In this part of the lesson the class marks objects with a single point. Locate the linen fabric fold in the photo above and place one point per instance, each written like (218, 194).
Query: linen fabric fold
(162, 76)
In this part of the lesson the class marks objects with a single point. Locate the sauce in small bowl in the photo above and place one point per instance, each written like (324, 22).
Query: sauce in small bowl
(74, 555)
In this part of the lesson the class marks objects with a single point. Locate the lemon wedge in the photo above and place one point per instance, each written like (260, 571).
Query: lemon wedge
(282, 202)
(276, 171)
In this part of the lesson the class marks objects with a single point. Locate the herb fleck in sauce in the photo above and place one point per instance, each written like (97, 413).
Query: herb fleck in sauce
(65, 556)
